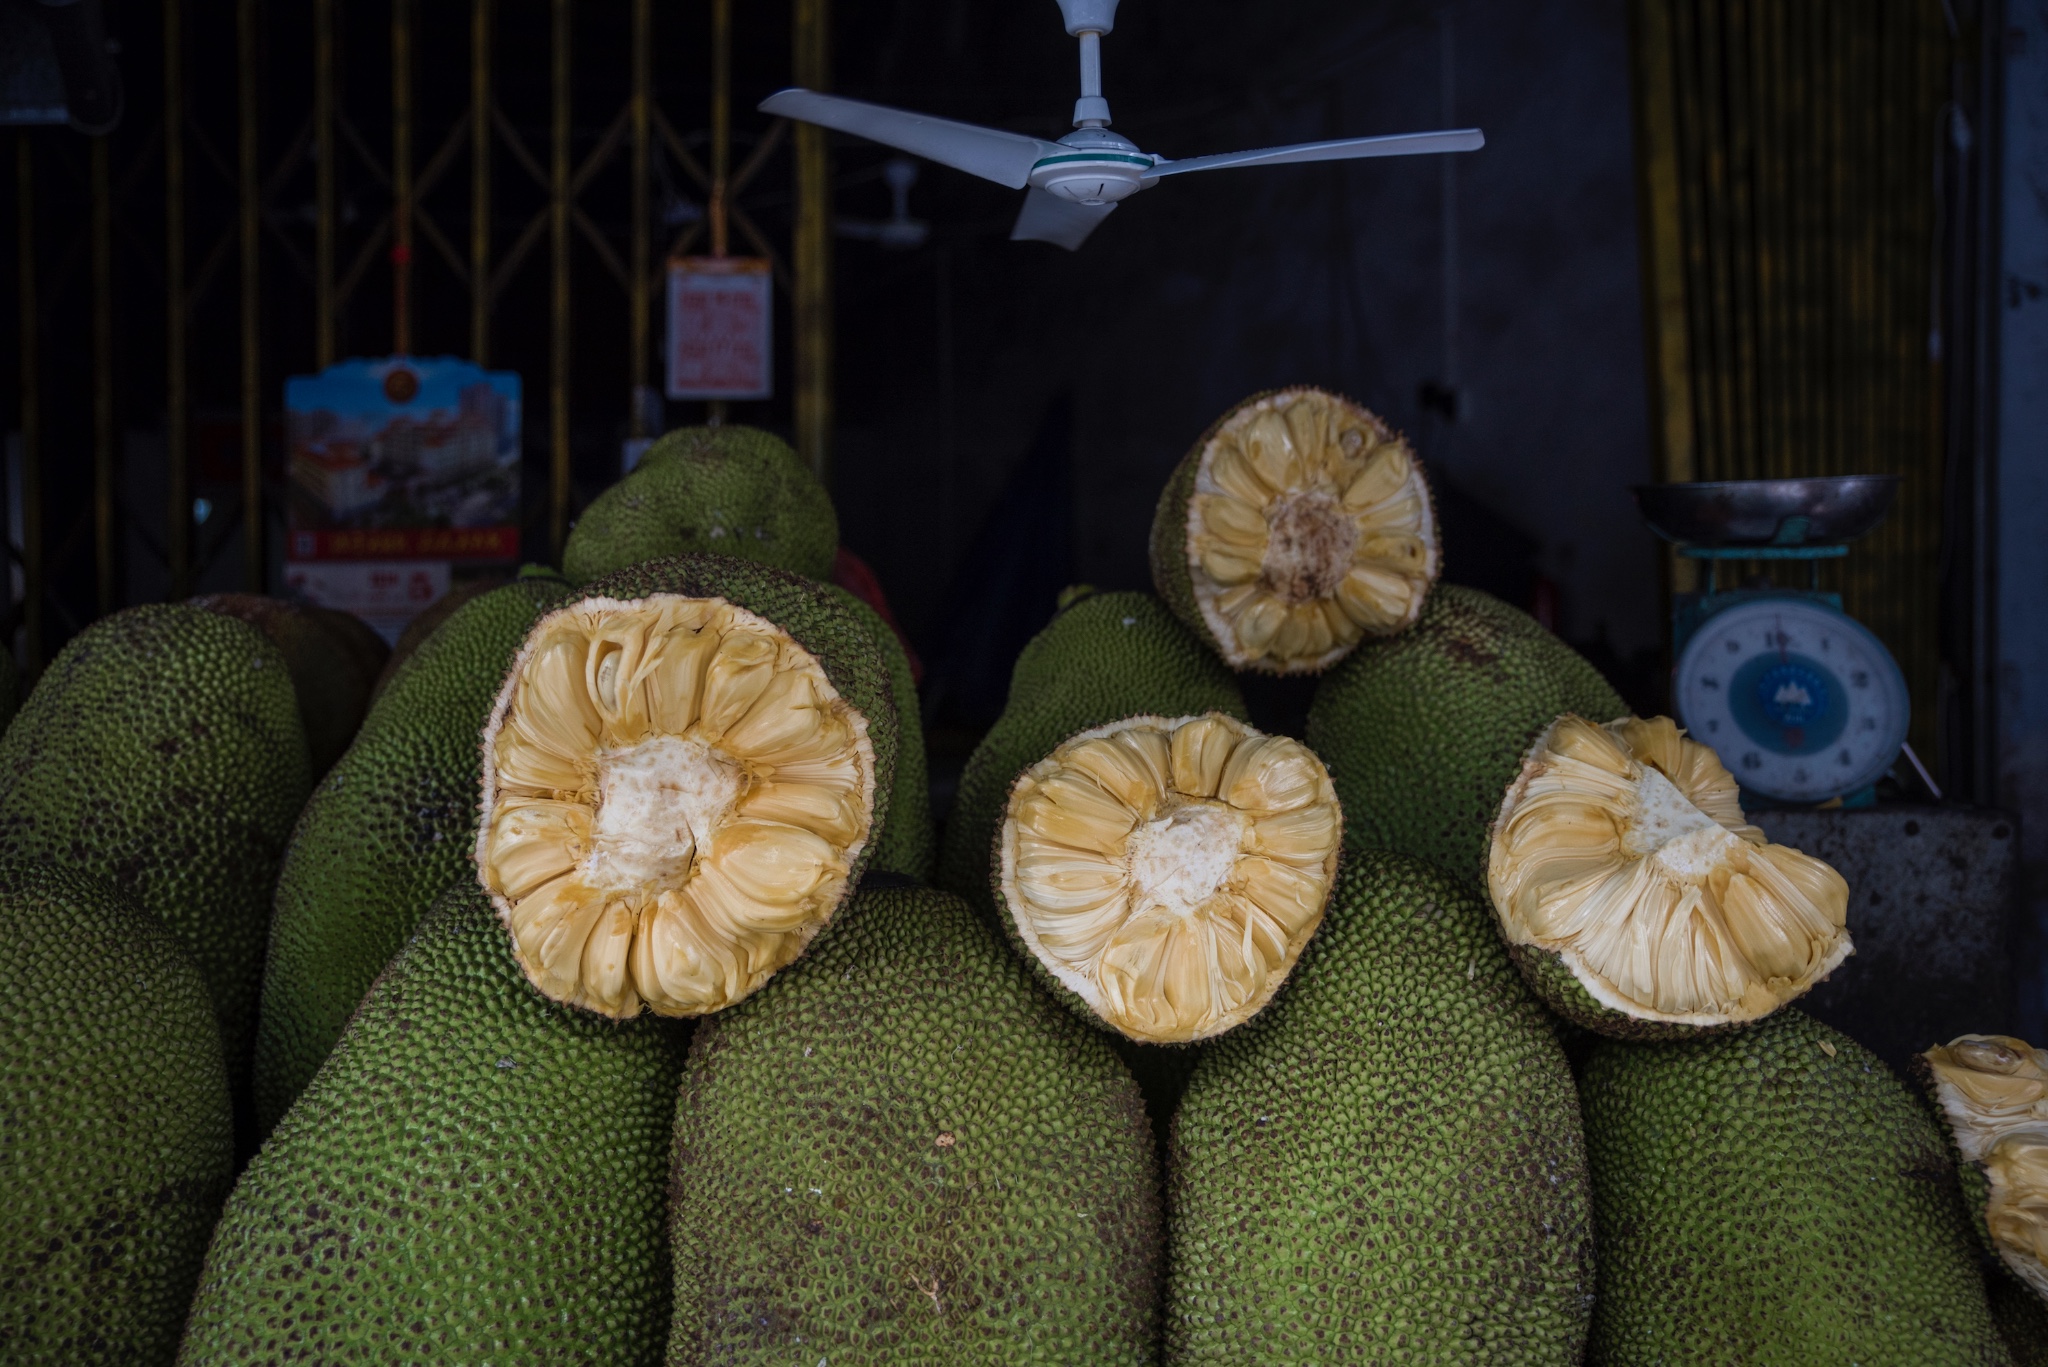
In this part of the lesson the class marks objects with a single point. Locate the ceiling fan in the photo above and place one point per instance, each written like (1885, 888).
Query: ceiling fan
(1076, 182)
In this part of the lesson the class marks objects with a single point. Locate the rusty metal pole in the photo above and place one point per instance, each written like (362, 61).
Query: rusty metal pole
(721, 146)
(324, 224)
(811, 268)
(252, 281)
(31, 406)
(480, 182)
(103, 375)
(178, 504)
(401, 177)
(558, 228)
(643, 99)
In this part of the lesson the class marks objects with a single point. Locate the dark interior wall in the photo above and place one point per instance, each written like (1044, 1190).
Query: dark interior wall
(1507, 278)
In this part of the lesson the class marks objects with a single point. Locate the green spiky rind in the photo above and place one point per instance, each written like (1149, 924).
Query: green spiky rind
(901, 1153)
(163, 753)
(818, 618)
(333, 667)
(2021, 1316)
(1107, 657)
(1387, 1163)
(10, 688)
(1172, 578)
(1424, 731)
(1774, 1195)
(388, 829)
(730, 490)
(116, 1135)
(476, 1175)
(907, 845)
(1554, 983)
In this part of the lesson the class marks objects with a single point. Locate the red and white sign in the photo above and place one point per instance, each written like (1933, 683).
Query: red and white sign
(385, 593)
(721, 338)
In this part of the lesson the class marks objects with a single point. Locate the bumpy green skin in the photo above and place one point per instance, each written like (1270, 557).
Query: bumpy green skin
(734, 491)
(475, 1176)
(115, 1133)
(2021, 1317)
(1761, 1201)
(825, 620)
(163, 752)
(10, 688)
(333, 659)
(391, 826)
(1107, 657)
(1168, 544)
(900, 1153)
(907, 845)
(1386, 1164)
(1560, 989)
(1423, 732)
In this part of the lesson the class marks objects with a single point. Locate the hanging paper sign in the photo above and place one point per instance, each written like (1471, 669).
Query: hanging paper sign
(720, 328)
(399, 468)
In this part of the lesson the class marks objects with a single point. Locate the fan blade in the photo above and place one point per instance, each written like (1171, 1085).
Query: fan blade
(1046, 217)
(1343, 149)
(1005, 158)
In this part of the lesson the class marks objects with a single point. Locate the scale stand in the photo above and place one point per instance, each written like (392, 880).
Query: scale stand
(1802, 703)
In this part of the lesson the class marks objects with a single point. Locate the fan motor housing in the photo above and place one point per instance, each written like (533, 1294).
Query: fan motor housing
(1096, 167)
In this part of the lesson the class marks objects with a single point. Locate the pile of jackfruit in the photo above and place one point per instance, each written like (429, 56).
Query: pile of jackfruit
(587, 981)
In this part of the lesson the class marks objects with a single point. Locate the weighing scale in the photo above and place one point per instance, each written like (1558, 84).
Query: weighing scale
(1802, 703)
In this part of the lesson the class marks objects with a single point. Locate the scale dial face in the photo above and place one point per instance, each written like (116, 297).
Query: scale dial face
(1800, 702)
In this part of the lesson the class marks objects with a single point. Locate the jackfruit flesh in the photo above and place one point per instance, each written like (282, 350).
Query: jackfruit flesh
(1622, 849)
(1168, 872)
(1994, 1091)
(1309, 529)
(674, 797)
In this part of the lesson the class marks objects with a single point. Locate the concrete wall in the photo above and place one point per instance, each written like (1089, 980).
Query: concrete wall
(2021, 477)
(1509, 275)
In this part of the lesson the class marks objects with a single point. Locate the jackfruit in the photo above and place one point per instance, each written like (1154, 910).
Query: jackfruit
(162, 752)
(904, 1154)
(1386, 1164)
(415, 633)
(1637, 897)
(333, 658)
(10, 688)
(728, 490)
(389, 828)
(683, 776)
(1424, 732)
(115, 1134)
(1106, 656)
(476, 1175)
(1299, 526)
(907, 844)
(1773, 1195)
(1163, 875)
(1992, 1090)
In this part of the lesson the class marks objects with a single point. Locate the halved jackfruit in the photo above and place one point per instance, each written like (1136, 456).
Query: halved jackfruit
(1621, 856)
(674, 796)
(1167, 873)
(1993, 1089)
(1298, 526)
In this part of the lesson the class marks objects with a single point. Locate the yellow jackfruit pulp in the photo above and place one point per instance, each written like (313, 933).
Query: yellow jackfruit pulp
(1168, 872)
(1994, 1091)
(1300, 525)
(674, 797)
(1622, 850)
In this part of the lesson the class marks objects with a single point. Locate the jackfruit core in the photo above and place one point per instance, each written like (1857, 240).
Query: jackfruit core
(1310, 528)
(1623, 850)
(1994, 1091)
(674, 796)
(1169, 872)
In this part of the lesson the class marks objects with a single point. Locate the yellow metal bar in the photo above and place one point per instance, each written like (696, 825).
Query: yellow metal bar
(636, 309)
(480, 182)
(811, 253)
(102, 376)
(324, 151)
(178, 509)
(558, 242)
(252, 331)
(401, 177)
(31, 404)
